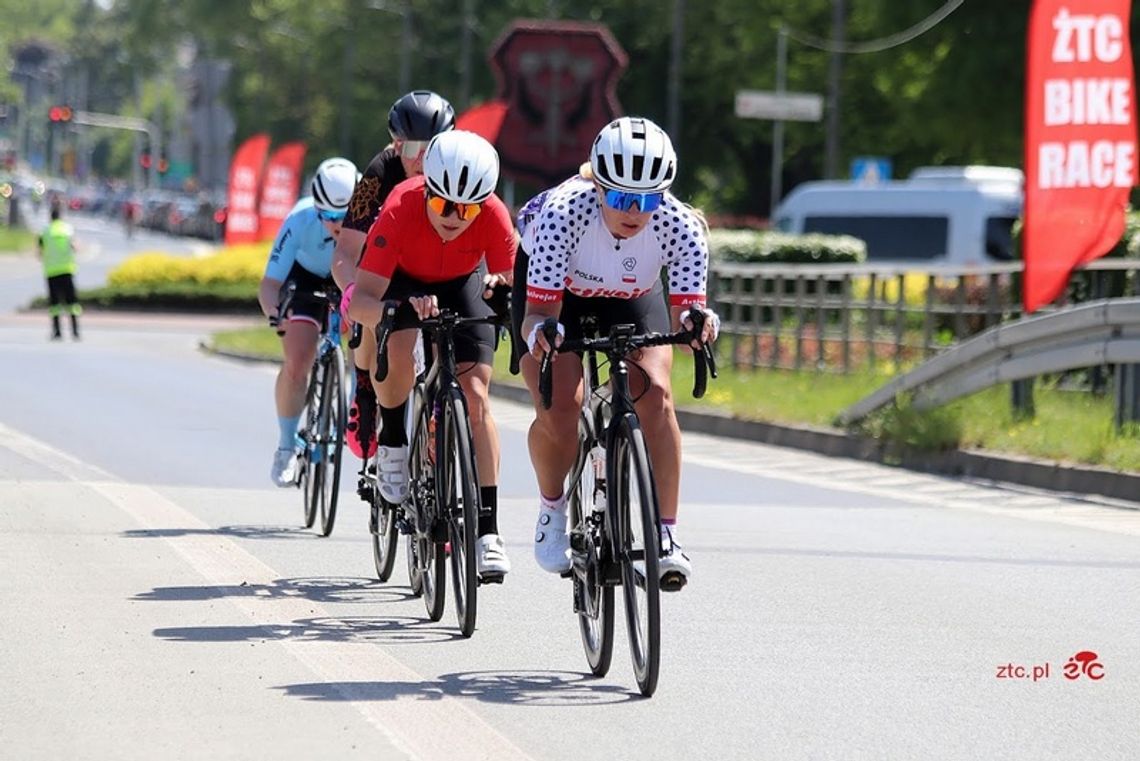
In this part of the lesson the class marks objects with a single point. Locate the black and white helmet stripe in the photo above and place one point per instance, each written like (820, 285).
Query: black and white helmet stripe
(461, 167)
(333, 183)
(633, 154)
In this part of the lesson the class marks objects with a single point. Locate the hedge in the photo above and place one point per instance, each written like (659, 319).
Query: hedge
(767, 247)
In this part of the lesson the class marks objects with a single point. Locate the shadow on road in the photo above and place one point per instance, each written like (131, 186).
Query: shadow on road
(243, 532)
(394, 630)
(525, 688)
(317, 589)
(914, 557)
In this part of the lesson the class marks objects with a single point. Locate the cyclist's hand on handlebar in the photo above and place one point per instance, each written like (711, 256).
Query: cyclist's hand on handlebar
(539, 343)
(425, 306)
(490, 282)
(709, 331)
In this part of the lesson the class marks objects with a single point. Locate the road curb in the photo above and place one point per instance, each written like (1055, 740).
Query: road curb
(1023, 471)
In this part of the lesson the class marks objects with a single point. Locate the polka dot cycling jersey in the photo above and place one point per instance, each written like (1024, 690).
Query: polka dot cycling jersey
(303, 239)
(571, 249)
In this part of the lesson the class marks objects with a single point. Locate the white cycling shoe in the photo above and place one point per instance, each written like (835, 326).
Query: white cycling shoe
(673, 567)
(491, 554)
(551, 542)
(284, 471)
(392, 474)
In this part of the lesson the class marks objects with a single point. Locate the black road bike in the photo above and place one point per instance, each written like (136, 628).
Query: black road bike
(320, 436)
(612, 499)
(443, 506)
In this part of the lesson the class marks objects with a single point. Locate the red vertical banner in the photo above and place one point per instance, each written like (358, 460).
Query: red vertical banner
(245, 179)
(1080, 139)
(279, 190)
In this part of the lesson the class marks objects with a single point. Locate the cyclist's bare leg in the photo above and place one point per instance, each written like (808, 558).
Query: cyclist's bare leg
(299, 345)
(659, 422)
(475, 380)
(553, 435)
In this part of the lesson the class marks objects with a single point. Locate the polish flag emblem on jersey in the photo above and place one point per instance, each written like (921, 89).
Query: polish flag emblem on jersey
(629, 263)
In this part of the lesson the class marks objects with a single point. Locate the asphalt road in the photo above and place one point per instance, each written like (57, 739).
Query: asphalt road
(161, 600)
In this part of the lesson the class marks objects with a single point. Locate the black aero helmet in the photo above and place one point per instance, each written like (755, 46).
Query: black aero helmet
(420, 115)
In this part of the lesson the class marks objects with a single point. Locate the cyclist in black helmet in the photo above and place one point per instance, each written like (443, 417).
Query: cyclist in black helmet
(412, 121)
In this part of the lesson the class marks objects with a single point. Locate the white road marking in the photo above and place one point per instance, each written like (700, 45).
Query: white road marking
(414, 726)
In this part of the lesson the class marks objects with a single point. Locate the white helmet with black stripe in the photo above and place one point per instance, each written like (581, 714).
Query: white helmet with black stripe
(635, 155)
(333, 183)
(461, 166)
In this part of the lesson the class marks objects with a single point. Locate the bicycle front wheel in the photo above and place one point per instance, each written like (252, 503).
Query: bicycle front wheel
(459, 499)
(634, 506)
(334, 413)
(308, 433)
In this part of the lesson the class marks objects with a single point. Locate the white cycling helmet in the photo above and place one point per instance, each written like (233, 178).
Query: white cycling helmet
(461, 167)
(333, 183)
(635, 155)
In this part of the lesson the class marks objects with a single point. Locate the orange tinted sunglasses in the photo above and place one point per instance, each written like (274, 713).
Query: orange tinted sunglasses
(444, 207)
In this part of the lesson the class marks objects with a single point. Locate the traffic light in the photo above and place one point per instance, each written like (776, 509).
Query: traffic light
(144, 160)
(60, 114)
(163, 165)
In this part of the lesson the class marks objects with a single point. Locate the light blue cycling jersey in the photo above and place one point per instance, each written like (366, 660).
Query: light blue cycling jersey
(302, 239)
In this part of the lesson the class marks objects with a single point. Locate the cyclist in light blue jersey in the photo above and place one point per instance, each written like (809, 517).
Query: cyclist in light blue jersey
(302, 254)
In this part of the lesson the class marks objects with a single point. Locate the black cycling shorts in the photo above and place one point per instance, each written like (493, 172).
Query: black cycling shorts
(648, 313)
(306, 305)
(463, 295)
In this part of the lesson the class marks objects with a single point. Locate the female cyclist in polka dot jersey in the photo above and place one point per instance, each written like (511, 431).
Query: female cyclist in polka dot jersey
(596, 245)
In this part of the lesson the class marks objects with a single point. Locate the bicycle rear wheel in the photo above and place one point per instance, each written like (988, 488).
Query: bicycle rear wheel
(334, 414)
(594, 600)
(384, 534)
(310, 424)
(459, 501)
(426, 558)
(634, 505)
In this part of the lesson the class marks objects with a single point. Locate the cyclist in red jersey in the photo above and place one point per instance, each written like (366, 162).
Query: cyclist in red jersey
(426, 247)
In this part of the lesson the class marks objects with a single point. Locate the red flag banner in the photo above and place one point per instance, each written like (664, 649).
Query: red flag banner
(1080, 139)
(279, 191)
(245, 179)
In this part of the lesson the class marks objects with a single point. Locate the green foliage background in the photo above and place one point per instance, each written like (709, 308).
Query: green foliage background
(327, 73)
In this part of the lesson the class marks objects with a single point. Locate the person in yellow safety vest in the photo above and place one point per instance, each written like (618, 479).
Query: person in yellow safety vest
(57, 249)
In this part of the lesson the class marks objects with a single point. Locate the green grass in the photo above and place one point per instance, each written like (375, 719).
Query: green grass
(1070, 426)
(16, 241)
(256, 342)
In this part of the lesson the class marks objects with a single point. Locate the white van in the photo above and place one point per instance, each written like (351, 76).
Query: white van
(956, 216)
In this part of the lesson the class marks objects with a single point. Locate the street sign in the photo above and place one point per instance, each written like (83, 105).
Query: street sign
(779, 106)
(870, 170)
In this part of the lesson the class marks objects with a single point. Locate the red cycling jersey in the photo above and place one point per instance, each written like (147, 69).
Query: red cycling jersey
(402, 237)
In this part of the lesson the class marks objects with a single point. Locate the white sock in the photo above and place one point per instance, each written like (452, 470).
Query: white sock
(669, 533)
(557, 504)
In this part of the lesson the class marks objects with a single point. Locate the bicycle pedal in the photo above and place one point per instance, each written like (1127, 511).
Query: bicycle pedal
(567, 574)
(674, 581)
(491, 578)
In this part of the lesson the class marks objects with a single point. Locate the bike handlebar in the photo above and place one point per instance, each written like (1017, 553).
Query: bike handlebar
(401, 316)
(284, 301)
(620, 342)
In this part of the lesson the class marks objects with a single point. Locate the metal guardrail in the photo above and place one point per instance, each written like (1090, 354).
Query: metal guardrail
(841, 317)
(1096, 333)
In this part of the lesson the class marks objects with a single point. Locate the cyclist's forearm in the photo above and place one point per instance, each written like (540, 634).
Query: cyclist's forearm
(267, 295)
(365, 307)
(345, 256)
